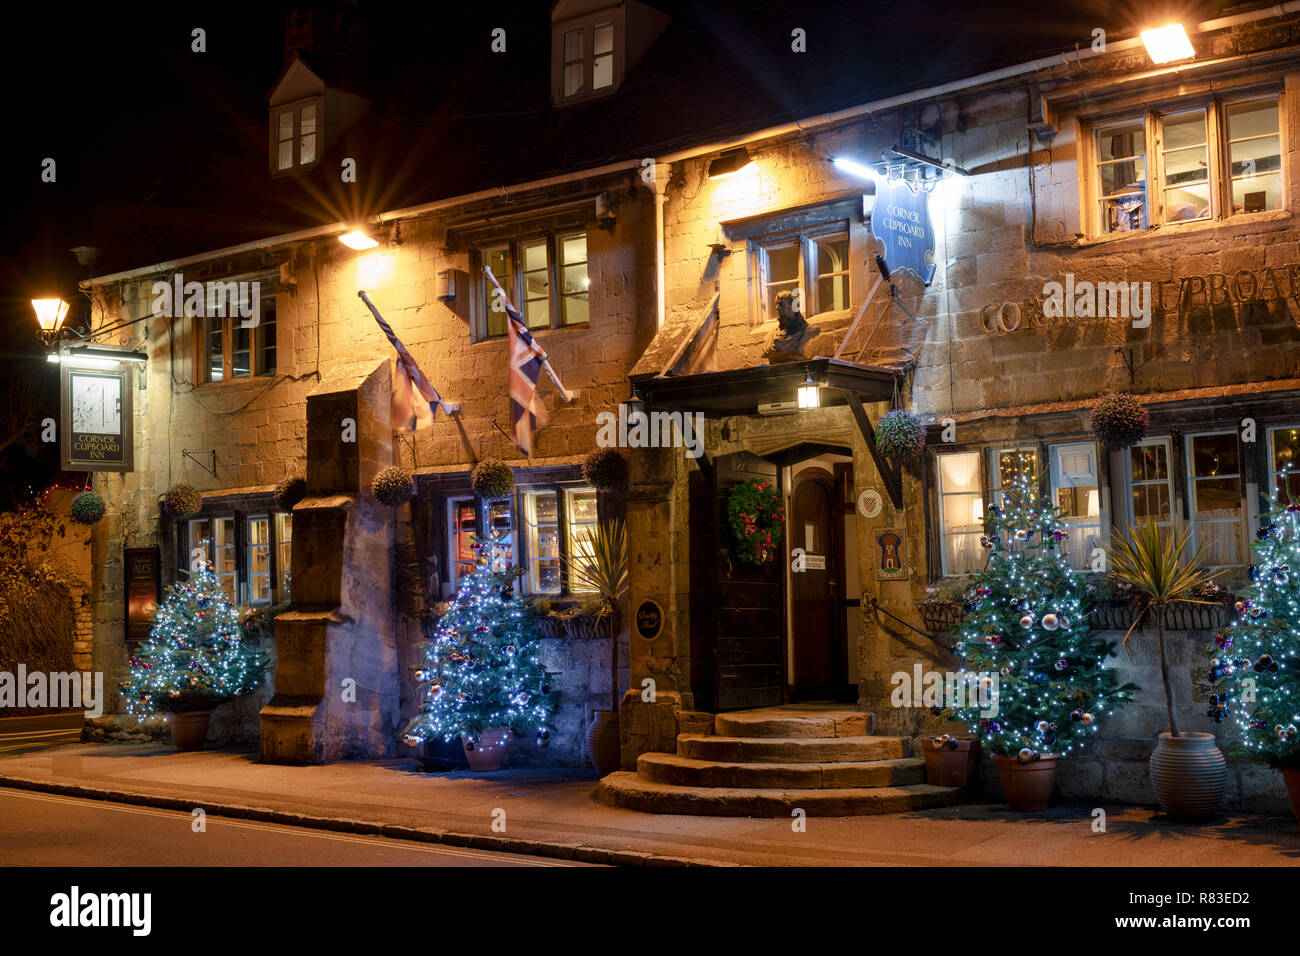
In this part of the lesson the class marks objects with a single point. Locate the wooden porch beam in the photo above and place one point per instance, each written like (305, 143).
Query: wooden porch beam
(889, 474)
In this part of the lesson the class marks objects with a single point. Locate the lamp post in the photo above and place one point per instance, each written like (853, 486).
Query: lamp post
(50, 314)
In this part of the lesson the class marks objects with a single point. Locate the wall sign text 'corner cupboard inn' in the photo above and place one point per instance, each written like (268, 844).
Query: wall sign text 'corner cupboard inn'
(97, 424)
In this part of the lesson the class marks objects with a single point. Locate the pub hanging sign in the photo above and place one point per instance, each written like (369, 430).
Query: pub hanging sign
(900, 219)
(96, 428)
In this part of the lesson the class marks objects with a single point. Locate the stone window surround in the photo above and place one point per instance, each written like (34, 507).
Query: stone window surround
(241, 507)
(1213, 99)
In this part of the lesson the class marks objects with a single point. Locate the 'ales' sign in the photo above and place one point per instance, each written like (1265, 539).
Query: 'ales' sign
(97, 427)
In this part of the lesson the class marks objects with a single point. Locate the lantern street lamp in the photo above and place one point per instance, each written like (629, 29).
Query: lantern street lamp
(50, 314)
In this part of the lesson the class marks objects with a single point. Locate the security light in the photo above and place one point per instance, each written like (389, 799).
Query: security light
(853, 167)
(730, 161)
(1166, 44)
(356, 239)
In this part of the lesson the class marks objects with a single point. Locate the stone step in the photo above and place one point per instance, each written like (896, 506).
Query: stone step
(633, 792)
(792, 749)
(685, 772)
(788, 722)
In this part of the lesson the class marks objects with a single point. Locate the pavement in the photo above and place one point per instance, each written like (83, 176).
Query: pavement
(550, 813)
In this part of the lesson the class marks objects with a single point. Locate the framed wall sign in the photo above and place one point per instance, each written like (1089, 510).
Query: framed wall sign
(97, 426)
(649, 619)
(141, 573)
(889, 556)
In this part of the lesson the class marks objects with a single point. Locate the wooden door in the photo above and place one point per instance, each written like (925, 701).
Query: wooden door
(748, 652)
(817, 593)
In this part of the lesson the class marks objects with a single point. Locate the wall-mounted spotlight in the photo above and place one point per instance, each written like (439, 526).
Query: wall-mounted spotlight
(1167, 44)
(853, 167)
(356, 239)
(729, 161)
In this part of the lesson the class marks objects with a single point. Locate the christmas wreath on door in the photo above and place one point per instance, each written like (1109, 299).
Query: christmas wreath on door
(757, 518)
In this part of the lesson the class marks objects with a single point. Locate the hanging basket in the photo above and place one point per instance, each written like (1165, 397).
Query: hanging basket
(605, 468)
(492, 478)
(87, 508)
(900, 436)
(1118, 421)
(940, 616)
(393, 486)
(183, 500)
(290, 491)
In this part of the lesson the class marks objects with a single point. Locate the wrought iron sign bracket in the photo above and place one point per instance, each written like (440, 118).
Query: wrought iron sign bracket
(212, 470)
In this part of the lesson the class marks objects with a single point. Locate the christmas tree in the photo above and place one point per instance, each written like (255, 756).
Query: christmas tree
(1255, 668)
(1026, 640)
(483, 668)
(196, 656)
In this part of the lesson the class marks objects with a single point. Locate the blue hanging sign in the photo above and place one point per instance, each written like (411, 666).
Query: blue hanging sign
(900, 219)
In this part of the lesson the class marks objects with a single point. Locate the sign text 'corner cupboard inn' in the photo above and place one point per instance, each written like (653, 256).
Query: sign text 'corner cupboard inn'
(992, 256)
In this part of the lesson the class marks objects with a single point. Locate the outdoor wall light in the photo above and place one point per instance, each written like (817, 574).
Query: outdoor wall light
(810, 395)
(50, 314)
(730, 161)
(356, 239)
(97, 356)
(853, 167)
(1167, 44)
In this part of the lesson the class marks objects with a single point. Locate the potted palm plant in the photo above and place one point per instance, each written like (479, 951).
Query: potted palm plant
(1187, 769)
(601, 567)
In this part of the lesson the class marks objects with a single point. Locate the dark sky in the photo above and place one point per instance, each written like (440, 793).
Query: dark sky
(115, 95)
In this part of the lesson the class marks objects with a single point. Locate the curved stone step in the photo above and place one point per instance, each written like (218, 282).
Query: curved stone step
(785, 722)
(792, 749)
(633, 792)
(686, 772)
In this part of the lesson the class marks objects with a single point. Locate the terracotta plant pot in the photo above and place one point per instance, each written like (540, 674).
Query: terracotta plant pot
(1187, 774)
(1027, 786)
(949, 767)
(489, 751)
(603, 746)
(189, 729)
(1292, 778)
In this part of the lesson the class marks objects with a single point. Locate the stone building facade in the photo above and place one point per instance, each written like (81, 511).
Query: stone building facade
(1088, 169)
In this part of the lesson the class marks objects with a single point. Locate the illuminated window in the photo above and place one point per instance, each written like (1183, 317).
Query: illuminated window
(1151, 482)
(1214, 491)
(814, 265)
(1284, 460)
(1076, 491)
(546, 279)
(230, 349)
(259, 560)
(1121, 176)
(536, 279)
(582, 522)
(1254, 156)
(586, 54)
(543, 542)
(961, 512)
(498, 262)
(573, 279)
(295, 135)
(283, 555)
(1185, 159)
(1008, 466)
(212, 541)
(464, 535)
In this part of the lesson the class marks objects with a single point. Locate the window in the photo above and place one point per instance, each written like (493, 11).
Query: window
(814, 265)
(259, 560)
(212, 541)
(231, 350)
(1008, 466)
(586, 58)
(464, 535)
(581, 522)
(283, 555)
(1211, 160)
(1151, 482)
(543, 542)
(294, 130)
(1214, 491)
(546, 279)
(1284, 463)
(961, 512)
(1076, 491)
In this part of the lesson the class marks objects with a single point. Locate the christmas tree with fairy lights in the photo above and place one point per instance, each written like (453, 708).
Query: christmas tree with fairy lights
(196, 656)
(482, 670)
(1256, 667)
(1025, 638)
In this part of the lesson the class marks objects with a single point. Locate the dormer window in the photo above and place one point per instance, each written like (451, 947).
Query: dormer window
(588, 58)
(594, 43)
(295, 131)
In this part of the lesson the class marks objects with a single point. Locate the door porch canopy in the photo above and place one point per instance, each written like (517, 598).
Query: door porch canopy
(740, 392)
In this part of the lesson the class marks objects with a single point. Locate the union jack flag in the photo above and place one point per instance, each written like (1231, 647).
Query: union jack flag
(527, 359)
(415, 400)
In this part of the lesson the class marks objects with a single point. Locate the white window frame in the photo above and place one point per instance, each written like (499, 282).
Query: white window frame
(452, 582)
(571, 530)
(1243, 542)
(1275, 476)
(250, 546)
(806, 281)
(1058, 480)
(295, 108)
(587, 25)
(996, 491)
(1130, 482)
(283, 544)
(941, 494)
(214, 550)
(531, 530)
(1218, 158)
(557, 298)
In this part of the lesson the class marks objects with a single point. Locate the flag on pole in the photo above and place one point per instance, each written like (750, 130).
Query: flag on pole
(415, 400)
(527, 360)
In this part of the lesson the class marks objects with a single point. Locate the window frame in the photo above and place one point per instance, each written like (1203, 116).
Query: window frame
(557, 299)
(1275, 487)
(1054, 485)
(1162, 441)
(566, 534)
(1243, 540)
(586, 25)
(980, 494)
(1218, 158)
(249, 546)
(204, 333)
(295, 107)
(808, 272)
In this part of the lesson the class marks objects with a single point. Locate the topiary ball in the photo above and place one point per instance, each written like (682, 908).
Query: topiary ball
(900, 436)
(1118, 421)
(290, 491)
(492, 478)
(87, 508)
(393, 486)
(605, 468)
(184, 500)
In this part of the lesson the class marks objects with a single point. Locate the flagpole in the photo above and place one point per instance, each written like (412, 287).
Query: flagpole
(546, 362)
(448, 408)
